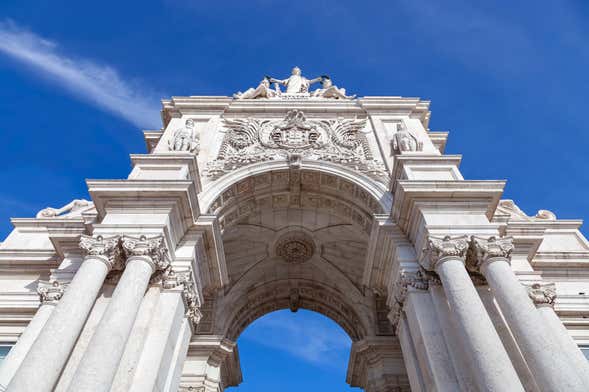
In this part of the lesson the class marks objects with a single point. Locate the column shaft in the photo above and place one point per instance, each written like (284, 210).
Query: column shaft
(18, 352)
(547, 361)
(565, 341)
(490, 361)
(101, 360)
(45, 360)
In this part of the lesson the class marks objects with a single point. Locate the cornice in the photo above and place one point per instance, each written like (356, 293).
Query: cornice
(410, 192)
(420, 159)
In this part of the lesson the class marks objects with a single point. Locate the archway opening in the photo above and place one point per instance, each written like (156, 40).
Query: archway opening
(287, 351)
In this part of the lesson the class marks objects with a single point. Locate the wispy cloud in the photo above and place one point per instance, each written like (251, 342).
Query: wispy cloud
(98, 84)
(315, 340)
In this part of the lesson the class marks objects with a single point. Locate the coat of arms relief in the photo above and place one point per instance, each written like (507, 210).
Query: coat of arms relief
(295, 137)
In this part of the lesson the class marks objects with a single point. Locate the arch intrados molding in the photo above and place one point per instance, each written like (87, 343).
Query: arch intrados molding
(312, 296)
(376, 190)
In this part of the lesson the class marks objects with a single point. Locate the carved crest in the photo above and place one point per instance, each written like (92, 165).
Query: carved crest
(253, 140)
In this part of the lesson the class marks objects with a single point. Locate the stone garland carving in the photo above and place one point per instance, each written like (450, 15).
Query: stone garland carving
(50, 292)
(405, 141)
(251, 140)
(542, 293)
(185, 138)
(190, 296)
(439, 248)
(108, 248)
(485, 248)
(297, 87)
(73, 206)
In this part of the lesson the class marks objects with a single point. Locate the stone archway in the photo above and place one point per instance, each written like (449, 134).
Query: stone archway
(298, 238)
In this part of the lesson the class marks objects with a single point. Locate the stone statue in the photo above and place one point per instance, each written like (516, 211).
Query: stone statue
(185, 138)
(329, 90)
(262, 91)
(295, 83)
(404, 141)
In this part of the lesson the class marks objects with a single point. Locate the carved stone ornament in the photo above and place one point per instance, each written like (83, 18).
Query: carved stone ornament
(73, 206)
(405, 141)
(108, 249)
(418, 280)
(542, 293)
(439, 248)
(295, 248)
(190, 296)
(297, 87)
(252, 140)
(485, 248)
(185, 138)
(153, 247)
(50, 292)
(509, 207)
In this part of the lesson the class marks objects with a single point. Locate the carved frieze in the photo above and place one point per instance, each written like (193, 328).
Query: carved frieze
(253, 140)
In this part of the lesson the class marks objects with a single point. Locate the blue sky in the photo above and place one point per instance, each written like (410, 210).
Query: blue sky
(79, 80)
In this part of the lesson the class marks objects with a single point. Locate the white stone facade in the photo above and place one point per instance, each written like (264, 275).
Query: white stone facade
(297, 199)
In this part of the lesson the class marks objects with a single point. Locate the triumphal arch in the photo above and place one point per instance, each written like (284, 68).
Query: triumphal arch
(290, 195)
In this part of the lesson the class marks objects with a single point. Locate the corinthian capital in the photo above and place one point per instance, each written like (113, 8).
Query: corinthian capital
(50, 292)
(153, 247)
(485, 248)
(190, 295)
(440, 248)
(542, 293)
(108, 248)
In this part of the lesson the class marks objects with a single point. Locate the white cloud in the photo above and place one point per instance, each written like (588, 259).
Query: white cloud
(305, 335)
(96, 83)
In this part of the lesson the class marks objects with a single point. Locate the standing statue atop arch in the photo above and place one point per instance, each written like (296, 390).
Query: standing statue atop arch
(296, 83)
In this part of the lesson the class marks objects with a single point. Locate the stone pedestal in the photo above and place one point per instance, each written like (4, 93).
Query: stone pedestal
(376, 365)
(212, 365)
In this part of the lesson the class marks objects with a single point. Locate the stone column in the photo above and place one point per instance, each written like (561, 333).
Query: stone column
(49, 293)
(45, 360)
(491, 364)
(99, 364)
(551, 368)
(544, 297)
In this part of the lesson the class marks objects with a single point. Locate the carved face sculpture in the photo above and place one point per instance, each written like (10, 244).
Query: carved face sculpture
(189, 123)
(296, 71)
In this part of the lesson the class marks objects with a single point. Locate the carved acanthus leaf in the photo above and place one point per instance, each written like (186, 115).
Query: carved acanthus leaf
(485, 248)
(153, 247)
(542, 293)
(50, 292)
(108, 248)
(190, 295)
(439, 248)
